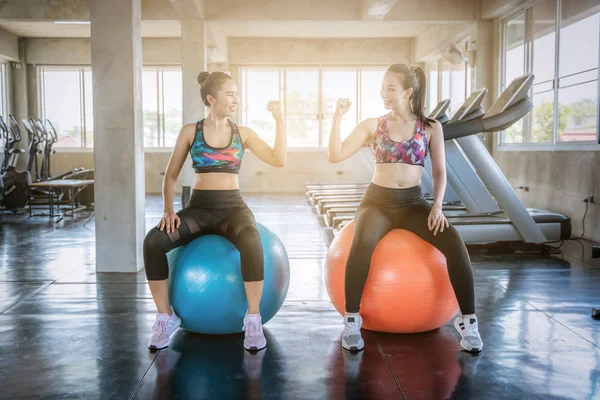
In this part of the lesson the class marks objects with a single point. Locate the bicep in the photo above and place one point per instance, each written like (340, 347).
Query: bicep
(253, 142)
(261, 149)
(356, 140)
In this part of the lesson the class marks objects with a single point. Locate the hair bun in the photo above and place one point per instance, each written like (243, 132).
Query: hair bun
(203, 77)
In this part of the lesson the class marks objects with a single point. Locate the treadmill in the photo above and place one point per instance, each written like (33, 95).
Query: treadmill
(507, 220)
(462, 176)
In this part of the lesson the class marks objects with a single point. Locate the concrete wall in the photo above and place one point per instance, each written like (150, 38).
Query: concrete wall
(303, 166)
(495, 8)
(155, 165)
(165, 51)
(255, 176)
(427, 44)
(558, 181)
(9, 46)
(75, 10)
(434, 10)
(266, 51)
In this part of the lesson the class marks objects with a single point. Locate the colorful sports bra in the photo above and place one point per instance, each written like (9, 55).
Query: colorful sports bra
(412, 152)
(206, 158)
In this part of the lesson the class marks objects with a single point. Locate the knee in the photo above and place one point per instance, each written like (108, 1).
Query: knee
(156, 241)
(248, 237)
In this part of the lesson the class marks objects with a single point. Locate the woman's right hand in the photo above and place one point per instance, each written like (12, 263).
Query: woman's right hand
(342, 106)
(170, 221)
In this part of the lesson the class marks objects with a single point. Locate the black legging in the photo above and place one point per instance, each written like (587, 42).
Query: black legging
(221, 212)
(383, 209)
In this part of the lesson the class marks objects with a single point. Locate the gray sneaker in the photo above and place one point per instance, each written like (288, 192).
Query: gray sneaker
(469, 332)
(351, 339)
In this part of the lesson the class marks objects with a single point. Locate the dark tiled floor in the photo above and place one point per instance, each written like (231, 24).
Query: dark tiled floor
(67, 332)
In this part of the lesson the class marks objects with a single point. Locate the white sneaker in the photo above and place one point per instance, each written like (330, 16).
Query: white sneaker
(469, 332)
(163, 328)
(254, 339)
(351, 338)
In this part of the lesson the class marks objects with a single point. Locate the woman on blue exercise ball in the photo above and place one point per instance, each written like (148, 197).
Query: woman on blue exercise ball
(216, 146)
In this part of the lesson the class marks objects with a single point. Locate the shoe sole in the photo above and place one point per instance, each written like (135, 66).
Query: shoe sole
(466, 345)
(468, 348)
(166, 345)
(254, 349)
(354, 348)
(154, 348)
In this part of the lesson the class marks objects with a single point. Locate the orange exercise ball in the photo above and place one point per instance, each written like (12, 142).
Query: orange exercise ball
(408, 289)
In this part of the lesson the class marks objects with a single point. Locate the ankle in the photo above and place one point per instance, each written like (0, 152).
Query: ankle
(169, 311)
(469, 316)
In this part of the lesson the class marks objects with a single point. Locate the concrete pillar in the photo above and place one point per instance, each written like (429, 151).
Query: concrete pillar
(19, 107)
(193, 48)
(484, 68)
(118, 134)
(234, 71)
(33, 92)
(193, 45)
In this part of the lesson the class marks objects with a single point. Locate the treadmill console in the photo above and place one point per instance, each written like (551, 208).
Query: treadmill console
(472, 104)
(516, 91)
(439, 112)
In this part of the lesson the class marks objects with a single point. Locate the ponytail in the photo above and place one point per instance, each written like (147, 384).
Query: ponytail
(414, 78)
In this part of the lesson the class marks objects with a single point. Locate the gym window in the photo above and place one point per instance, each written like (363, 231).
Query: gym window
(558, 41)
(308, 96)
(66, 100)
(162, 104)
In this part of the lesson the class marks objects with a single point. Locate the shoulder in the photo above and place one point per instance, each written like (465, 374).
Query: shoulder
(245, 132)
(371, 125)
(433, 128)
(188, 130)
(189, 127)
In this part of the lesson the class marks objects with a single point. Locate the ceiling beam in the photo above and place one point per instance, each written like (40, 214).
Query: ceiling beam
(77, 10)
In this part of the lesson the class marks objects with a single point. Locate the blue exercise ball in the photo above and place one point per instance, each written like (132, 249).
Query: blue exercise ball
(206, 287)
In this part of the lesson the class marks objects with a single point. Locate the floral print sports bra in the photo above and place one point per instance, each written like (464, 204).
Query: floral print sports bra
(414, 151)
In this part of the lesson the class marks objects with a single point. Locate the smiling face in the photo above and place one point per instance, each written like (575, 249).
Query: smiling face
(392, 93)
(225, 101)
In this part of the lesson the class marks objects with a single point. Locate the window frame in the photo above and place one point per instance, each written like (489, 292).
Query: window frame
(556, 144)
(320, 145)
(82, 69)
(160, 104)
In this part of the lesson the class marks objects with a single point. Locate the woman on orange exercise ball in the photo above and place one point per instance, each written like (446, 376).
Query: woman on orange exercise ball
(401, 140)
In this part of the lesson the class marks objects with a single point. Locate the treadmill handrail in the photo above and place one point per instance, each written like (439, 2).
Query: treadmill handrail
(494, 123)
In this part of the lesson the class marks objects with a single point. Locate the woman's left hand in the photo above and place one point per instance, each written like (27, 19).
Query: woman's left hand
(437, 221)
(275, 108)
